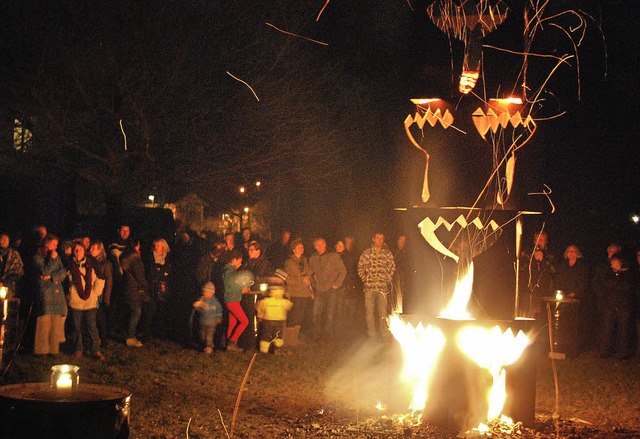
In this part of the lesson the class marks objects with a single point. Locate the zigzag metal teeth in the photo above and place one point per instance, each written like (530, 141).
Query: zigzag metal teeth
(433, 118)
(491, 121)
(428, 229)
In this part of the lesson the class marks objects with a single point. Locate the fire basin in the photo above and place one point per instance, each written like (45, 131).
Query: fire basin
(459, 388)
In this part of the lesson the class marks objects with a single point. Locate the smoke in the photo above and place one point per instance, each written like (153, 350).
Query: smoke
(368, 376)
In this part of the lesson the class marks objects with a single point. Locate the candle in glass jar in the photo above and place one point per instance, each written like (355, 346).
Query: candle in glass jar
(64, 384)
(64, 380)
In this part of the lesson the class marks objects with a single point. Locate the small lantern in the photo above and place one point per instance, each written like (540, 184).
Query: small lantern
(264, 287)
(65, 380)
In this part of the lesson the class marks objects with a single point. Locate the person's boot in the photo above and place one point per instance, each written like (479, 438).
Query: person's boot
(232, 346)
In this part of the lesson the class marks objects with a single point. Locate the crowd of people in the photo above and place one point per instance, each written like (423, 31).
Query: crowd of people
(238, 293)
(606, 294)
(233, 293)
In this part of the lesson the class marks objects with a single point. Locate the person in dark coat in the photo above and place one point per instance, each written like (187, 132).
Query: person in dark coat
(573, 279)
(104, 270)
(539, 268)
(11, 267)
(136, 294)
(159, 275)
(209, 269)
(599, 289)
(617, 310)
(185, 288)
(279, 252)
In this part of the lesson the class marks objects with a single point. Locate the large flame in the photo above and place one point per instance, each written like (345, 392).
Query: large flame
(493, 350)
(490, 349)
(456, 309)
(421, 348)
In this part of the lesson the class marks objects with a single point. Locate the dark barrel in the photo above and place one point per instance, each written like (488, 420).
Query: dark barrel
(564, 327)
(9, 310)
(32, 410)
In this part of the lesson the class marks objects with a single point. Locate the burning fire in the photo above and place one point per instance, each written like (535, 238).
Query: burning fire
(491, 349)
(421, 348)
(456, 309)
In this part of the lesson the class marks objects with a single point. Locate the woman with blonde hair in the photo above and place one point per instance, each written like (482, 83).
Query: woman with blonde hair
(573, 279)
(159, 276)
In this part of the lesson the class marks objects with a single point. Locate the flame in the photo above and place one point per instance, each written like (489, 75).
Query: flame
(421, 348)
(490, 349)
(493, 350)
(456, 309)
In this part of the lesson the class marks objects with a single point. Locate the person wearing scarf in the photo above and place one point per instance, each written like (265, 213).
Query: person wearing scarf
(84, 289)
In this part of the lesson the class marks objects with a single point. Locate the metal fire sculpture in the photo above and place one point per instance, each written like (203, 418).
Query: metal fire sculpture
(427, 110)
(468, 21)
(508, 125)
(508, 131)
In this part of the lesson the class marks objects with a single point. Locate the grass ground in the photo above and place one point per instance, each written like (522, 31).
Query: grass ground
(325, 390)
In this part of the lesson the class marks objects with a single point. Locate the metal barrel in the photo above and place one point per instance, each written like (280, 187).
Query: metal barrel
(10, 310)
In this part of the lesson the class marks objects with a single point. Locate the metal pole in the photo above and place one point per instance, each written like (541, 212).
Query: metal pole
(518, 242)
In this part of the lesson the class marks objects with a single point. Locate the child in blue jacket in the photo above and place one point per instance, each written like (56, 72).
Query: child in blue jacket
(210, 312)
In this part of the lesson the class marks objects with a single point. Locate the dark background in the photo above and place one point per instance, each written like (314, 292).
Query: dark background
(327, 135)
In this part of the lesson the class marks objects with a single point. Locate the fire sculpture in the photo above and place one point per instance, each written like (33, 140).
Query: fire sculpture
(454, 351)
(491, 349)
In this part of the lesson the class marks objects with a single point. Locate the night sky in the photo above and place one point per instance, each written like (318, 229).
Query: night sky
(356, 91)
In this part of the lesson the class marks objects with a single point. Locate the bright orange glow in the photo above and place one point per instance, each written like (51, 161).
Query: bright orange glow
(468, 80)
(490, 349)
(423, 101)
(456, 309)
(493, 350)
(507, 101)
(421, 348)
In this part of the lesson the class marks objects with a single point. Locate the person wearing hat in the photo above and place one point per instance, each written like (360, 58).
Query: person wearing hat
(272, 313)
(209, 311)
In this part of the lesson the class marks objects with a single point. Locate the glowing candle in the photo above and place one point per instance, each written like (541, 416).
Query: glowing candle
(64, 380)
(3, 293)
(559, 295)
(64, 384)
